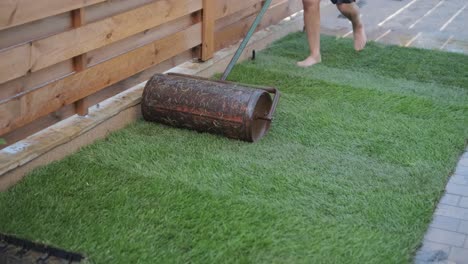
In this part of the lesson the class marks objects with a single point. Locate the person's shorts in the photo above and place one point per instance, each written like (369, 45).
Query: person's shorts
(342, 1)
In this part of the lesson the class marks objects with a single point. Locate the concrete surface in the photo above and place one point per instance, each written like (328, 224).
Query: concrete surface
(431, 24)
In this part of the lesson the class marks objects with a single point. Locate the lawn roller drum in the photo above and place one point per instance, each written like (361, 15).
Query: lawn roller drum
(234, 110)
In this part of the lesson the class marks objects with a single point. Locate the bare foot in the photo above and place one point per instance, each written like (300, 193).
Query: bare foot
(309, 61)
(360, 38)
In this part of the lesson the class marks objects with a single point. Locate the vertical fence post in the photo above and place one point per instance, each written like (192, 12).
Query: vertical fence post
(208, 20)
(79, 62)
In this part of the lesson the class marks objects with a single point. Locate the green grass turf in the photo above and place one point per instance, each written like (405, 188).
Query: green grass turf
(355, 162)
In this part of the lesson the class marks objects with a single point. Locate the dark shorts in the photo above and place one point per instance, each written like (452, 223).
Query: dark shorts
(342, 1)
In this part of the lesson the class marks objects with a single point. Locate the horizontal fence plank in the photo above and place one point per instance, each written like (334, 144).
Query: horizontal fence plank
(35, 79)
(232, 33)
(224, 8)
(150, 35)
(34, 104)
(14, 63)
(38, 124)
(60, 70)
(69, 110)
(17, 12)
(111, 8)
(49, 26)
(228, 7)
(54, 49)
(241, 14)
(35, 30)
(63, 46)
(139, 77)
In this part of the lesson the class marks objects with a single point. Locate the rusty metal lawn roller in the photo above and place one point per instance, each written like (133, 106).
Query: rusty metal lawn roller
(234, 110)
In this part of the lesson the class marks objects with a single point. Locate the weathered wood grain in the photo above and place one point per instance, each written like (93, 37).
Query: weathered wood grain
(34, 104)
(54, 49)
(232, 33)
(69, 110)
(79, 62)
(17, 12)
(208, 19)
(128, 44)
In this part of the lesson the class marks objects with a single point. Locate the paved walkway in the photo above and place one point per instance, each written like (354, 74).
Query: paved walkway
(430, 24)
(446, 241)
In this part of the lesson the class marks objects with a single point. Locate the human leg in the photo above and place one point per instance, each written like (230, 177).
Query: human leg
(312, 26)
(351, 11)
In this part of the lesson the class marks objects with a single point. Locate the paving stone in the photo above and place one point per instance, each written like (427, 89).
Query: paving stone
(452, 211)
(450, 199)
(462, 170)
(441, 262)
(445, 237)
(446, 223)
(466, 244)
(431, 252)
(463, 202)
(457, 189)
(437, 256)
(463, 162)
(463, 227)
(458, 255)
(459, 179)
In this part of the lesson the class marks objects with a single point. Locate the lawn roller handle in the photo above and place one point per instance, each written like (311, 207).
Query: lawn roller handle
(244, 42)
(277, 94)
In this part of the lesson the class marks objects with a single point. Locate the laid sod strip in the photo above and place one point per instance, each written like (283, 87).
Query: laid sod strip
(350, 172)
(391, 61)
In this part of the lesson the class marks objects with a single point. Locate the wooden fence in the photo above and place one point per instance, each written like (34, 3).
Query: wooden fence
(59, 57)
